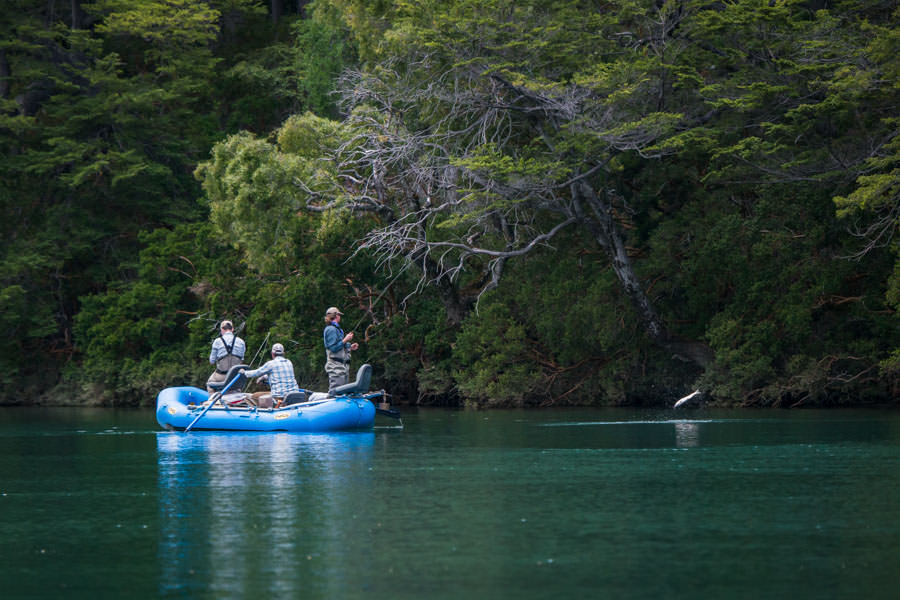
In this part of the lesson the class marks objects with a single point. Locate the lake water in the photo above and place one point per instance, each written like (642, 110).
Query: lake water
(609, 503)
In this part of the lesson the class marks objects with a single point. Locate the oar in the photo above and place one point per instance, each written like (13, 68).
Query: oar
(212, 400)
(388, 412)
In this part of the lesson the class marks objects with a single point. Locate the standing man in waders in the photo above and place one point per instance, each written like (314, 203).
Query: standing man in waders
(227, 350)
(337, 350)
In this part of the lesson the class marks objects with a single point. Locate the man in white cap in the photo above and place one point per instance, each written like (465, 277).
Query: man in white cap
(280, 373)
(227, 351)
(338, 346)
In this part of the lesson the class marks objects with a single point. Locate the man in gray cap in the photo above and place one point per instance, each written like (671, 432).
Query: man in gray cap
(280, 373)
(227, 351)
(338, 346)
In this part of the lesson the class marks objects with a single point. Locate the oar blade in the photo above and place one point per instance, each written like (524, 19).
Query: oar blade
(388, 412)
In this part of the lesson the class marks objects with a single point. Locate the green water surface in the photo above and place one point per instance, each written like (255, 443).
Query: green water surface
(606, 503)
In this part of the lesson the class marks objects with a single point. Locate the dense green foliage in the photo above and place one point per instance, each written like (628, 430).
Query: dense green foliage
(529, 203)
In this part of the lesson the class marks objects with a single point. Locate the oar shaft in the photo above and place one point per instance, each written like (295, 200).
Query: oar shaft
(212, 400)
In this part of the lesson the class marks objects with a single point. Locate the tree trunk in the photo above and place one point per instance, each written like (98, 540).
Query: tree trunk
(77, 15)
(276, 10)
(605, 231)
(4, 74)
(607, 234)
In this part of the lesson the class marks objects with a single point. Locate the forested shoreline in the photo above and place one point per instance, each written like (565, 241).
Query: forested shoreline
(526, 203)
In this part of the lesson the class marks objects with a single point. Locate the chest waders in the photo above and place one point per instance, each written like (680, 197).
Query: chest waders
(342, 355)
(337, 365)
(229, 360)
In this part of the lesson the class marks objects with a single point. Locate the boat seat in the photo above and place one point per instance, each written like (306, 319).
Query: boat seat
(294, 398)
(233, 373)
(360, 386)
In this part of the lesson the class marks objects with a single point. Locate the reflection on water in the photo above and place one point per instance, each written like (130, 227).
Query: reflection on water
(687, 434)
(221, 494)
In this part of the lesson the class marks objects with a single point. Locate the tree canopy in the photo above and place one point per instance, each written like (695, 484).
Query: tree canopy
(514, 203)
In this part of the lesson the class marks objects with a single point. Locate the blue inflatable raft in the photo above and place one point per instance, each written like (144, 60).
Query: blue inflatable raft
(351, 407)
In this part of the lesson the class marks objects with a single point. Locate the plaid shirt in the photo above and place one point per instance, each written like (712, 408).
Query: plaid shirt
(281, 376)
(218, 348)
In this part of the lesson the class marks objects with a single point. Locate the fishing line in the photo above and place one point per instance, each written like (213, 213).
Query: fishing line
(383, 292)
(258, 350)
